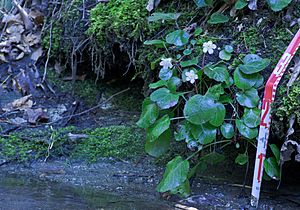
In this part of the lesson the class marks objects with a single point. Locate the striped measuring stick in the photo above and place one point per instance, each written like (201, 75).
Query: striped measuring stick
(264, 129)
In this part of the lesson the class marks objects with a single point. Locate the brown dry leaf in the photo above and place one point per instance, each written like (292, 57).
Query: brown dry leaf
(22, 101)
(36, 115)
(32, 39)
(37, 54)
(19, 104)
(37, 16)
(24, 48)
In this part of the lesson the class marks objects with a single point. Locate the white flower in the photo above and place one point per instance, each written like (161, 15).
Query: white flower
(191, 76)
(166, 63)
(209, 47)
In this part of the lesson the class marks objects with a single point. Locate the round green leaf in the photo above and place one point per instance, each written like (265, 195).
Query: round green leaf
(251, 117)
(249, 133)
(248, 98)
(218, 73)
(158, 84)
(173, 83)
(165, 74)
(227, 130)
(251, 58)
(191, 62)
(175, 174)
(219, 115)
(164, 98)
(199, 109)
(178, 38)
(259, 82)
(276, 152)
(277, 5)
(204, 133)
(241, 159)
(254, 67)
(228, 48)
(159, 146)
(217, 18)
(245, 81)
(215, 92)
(157, 43)
(187, 51)
(224, 55)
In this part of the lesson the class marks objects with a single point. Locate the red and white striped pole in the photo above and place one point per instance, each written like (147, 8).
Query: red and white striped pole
(264, 129)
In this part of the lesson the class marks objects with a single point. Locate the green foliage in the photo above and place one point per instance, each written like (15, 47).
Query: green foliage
(204, 94)
(289, 103)
(113, 141)
(118, 21)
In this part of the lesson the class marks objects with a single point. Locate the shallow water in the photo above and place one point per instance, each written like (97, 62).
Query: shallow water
(26, 193)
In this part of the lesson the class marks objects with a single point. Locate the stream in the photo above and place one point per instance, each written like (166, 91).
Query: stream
(21, 192)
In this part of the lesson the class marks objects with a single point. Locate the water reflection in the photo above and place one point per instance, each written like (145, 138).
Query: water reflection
(24, 193)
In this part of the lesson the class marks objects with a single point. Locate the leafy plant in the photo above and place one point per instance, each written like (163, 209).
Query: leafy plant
(206, 103)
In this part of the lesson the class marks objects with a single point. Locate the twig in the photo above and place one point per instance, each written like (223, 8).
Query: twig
(27, 22)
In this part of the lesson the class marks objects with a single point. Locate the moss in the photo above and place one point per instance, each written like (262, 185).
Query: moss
(288, 103)
(113, 141)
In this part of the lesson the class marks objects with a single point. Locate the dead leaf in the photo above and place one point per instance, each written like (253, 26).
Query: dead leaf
(18, 120)
(19, 104)
(32, 39)
(20, 56)
(2, 58)
(37, 16)
(36, 115)
(287, 150)
(37, 54)
(294, 75)
(58, 68)
(10, 19)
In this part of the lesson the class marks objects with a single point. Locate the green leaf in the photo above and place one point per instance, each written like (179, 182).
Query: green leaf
(155, 42)
(246, 81)
(159, 146)
(199, 109)
(240, 4)
(276, 152)
(251, 117)
(187, 51)
(218, 73)
(271, 168)
(215, 92)
(158, 128)
(254, 67)
(249, 133)
(183, 190)
(217, 18)
(249, 58)
(178, 38)
(241, 159)
(259, 82)
(184, 133)
(219, 115)
(175, 174)
(227, 130)
(204, 133)
(149, 115)
(203, 3)
(173, 83)
(163, 16)
(228, 48)
(248, 98)
(191, 62)
(277, 5)
(158, 84)
(224, 55)
(198, 31)
(164, 98)
(165, 74)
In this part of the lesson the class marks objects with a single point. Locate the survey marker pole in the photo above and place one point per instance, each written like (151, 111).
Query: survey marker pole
(264, 129)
